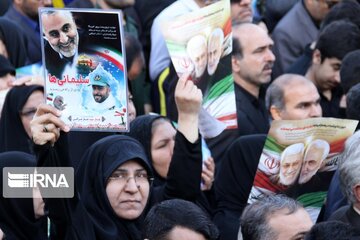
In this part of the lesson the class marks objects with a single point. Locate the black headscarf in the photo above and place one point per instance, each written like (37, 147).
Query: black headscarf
(17, 217)
(15, 41)
(6, 67)
(96, 166)
(13, 136)
(141, 129)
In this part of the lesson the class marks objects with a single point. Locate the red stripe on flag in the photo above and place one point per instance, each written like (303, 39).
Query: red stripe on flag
(111, 59)
(262, 180)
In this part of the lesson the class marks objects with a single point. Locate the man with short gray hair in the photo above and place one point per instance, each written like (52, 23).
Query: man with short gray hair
(292, 97)
(289, 97)
(350, 182)
(274, 217)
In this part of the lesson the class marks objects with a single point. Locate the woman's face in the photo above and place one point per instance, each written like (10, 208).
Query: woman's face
(38, 203)
(29, 109)
(6, 81)
(162, 146)
(128, 190)
(131, 107)
(3, 50)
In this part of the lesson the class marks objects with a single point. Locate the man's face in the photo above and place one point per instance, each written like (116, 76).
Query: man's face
(327, 74)
(241, 11)
(302, 101)
(199, 58)
(290, 226)
(256, 64)
(311, 164)
(290, 168)
(61, 33)
(214, 53)
(100, 93)
(319, 9)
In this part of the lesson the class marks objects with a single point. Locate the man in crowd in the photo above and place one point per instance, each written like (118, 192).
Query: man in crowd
(289, 97)
(350, 78)
(241, 11)
(252, 61)
(299, 27)
(350, 182)
(277, 217)
(334, 42)
(178, 219)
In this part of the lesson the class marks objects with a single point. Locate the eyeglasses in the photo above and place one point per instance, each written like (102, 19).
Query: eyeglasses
(123, 177)
(28, 112)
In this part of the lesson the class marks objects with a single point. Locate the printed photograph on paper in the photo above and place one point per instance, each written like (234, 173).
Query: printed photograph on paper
(200, 43)
(84, 67)
(299, 159)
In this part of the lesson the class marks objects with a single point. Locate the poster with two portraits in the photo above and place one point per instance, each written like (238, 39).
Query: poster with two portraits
(299, 159)
(200, 43)
(84, 67)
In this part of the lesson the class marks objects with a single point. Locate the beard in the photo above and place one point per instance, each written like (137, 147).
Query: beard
(286, 180)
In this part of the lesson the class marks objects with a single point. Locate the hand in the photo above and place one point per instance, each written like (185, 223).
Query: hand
(188, 96)
(29, 80)
(208, 174)
(188, 101)
(46, 125)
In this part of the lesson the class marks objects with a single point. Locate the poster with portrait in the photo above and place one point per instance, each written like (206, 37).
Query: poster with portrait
(84, 67)
(200, 43)
(299, 158)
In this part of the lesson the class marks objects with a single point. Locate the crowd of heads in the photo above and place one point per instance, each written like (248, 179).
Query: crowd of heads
(131, 172)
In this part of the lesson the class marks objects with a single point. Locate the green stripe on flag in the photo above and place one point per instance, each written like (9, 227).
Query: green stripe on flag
(314, 199)
(223, 86)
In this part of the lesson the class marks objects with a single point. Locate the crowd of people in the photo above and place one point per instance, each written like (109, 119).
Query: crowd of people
(167, 177)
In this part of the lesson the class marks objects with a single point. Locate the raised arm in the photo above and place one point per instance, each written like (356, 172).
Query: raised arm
(188, 98)
(52, 151)
(184, 175)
